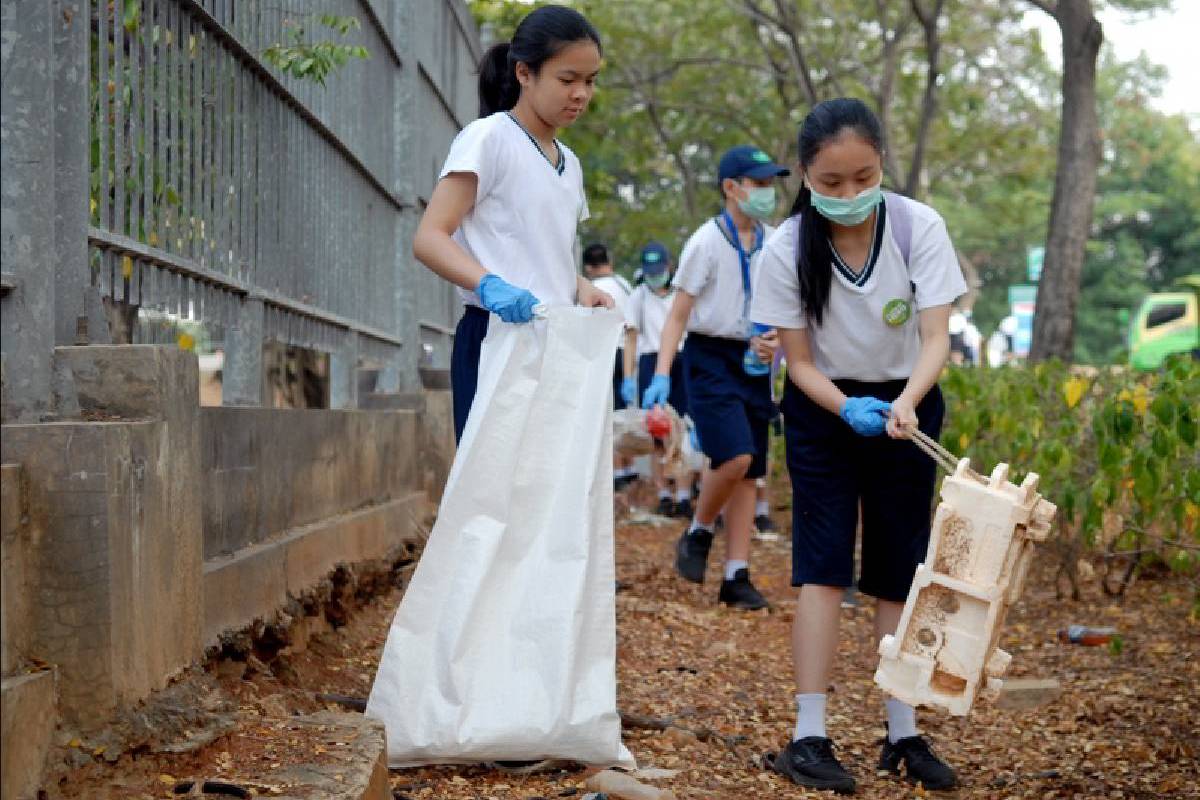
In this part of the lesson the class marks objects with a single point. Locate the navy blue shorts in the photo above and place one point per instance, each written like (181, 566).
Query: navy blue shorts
(833, 468)
(732, 410)
(464, 364)
(618, 377)
(648, 363)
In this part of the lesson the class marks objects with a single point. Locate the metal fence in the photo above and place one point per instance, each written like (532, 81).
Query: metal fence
(226, 197)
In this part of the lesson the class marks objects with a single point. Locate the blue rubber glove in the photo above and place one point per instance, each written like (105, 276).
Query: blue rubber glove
(629, 391)
(658, 392)
(866, 415)
(505, 300)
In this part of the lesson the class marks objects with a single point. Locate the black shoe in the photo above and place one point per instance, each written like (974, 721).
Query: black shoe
(691, 554)
(621, 481)
(683, 508)
(666, 507)
(921, 764)
(765, 524)
(740, 592)
(810, 762)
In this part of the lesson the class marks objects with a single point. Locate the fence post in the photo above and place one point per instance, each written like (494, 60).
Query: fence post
(404, 165)
(27, 251)
(242, 372)
(343, 373)
(69, 32)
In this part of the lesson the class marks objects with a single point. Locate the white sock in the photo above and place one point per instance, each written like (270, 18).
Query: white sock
(902, 720)
(731, 568)
(696, 523)
(762, 509)
(664, 494)
(683, 494)
(810, 716)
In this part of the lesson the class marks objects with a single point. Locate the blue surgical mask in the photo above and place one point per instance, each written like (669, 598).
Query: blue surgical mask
(759, 203)
(847, 212)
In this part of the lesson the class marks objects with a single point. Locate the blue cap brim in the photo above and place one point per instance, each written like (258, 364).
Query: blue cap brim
(766, 171)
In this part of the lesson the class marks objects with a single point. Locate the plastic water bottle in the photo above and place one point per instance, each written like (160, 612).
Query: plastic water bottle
(1088, 637)
(751, 363)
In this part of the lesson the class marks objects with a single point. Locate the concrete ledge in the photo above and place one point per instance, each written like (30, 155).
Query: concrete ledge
(30, 714)
(256, 581)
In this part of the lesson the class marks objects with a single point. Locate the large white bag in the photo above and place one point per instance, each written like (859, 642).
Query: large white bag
(504, 647)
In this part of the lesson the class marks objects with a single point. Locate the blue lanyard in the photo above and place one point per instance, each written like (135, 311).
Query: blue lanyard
(744, 257)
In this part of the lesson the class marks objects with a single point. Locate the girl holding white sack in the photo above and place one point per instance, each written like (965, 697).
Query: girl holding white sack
(503, 648)
(859, 284)
(501, 223)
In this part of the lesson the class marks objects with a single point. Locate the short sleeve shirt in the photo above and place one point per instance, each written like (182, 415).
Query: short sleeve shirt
(523, 224)
(618, 289)
(869, 332)
(711, 271)
(647, 313)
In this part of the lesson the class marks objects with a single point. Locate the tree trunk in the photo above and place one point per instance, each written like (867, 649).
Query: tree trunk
(1074, 184)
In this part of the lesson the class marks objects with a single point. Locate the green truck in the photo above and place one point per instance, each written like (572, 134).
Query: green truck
(1166, 323)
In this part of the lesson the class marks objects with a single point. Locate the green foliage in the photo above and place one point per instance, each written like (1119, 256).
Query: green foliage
(308, 60)
(1116, 450)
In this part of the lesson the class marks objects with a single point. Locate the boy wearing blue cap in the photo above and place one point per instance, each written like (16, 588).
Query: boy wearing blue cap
(727, 364)
(646, 312)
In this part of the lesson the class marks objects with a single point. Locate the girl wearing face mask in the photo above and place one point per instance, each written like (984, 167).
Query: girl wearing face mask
(859, 285)
(727, 367)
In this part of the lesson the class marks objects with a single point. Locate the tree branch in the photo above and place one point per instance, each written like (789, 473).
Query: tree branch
(1049, 6)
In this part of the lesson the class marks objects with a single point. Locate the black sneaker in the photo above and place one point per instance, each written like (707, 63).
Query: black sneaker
(666, 507)
(683, 508)
(765, 524)
(740, 592)
(621, 481)
(691, 554)
(921, 764)
(810, 762)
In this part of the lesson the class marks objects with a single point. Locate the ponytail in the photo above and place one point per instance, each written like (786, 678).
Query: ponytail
(542, 34)
(498, 87)
(814, 259)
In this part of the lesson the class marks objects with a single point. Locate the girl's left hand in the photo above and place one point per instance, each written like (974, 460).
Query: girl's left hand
(903, 418)
(591, 297)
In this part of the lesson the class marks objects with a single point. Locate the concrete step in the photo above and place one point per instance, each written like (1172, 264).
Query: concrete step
(352, 765)
(30, 714)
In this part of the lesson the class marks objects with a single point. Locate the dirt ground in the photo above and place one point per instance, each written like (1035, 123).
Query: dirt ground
(1127, 724)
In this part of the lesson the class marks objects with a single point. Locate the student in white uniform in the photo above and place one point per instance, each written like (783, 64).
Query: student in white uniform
(501, 223)
(646, 312)
(859, 285)
(598, 268)
(727, 367)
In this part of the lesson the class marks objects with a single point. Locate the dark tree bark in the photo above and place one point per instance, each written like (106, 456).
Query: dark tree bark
(928, 17)
(1074, 181)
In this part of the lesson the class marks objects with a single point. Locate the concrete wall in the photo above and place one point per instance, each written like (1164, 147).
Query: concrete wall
(269, 471)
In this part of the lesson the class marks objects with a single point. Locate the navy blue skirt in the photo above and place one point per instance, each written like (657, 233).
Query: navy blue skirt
(464, 364)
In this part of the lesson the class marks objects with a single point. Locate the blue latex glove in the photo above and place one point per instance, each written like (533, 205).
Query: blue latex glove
(629, 391)
(505, 300)
(658, 392)
(866, 415)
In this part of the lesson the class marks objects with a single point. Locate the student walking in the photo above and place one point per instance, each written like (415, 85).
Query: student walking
(598, 268)
(646, 312)
(859, 284)
(727, 364)
(501, 224)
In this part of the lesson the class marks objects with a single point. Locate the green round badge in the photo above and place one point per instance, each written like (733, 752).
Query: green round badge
(896, 312)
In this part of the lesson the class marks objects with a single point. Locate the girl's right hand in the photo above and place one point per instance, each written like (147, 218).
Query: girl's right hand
(658, 392)
(504, 300)
(866, 415)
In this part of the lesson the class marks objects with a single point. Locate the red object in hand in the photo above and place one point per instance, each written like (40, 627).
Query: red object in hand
(658, 423)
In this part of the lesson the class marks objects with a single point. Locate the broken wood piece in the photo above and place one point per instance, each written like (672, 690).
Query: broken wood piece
(619, 785)
(944, 651)
(1023, 694)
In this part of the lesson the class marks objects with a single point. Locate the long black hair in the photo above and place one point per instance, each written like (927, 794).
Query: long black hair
(814, 262)
(541, 35)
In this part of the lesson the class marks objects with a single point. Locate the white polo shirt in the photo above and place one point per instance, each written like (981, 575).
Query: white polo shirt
(870, 331)
(522, 226)
(710, 271)
(618, 289)
(647, 312)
